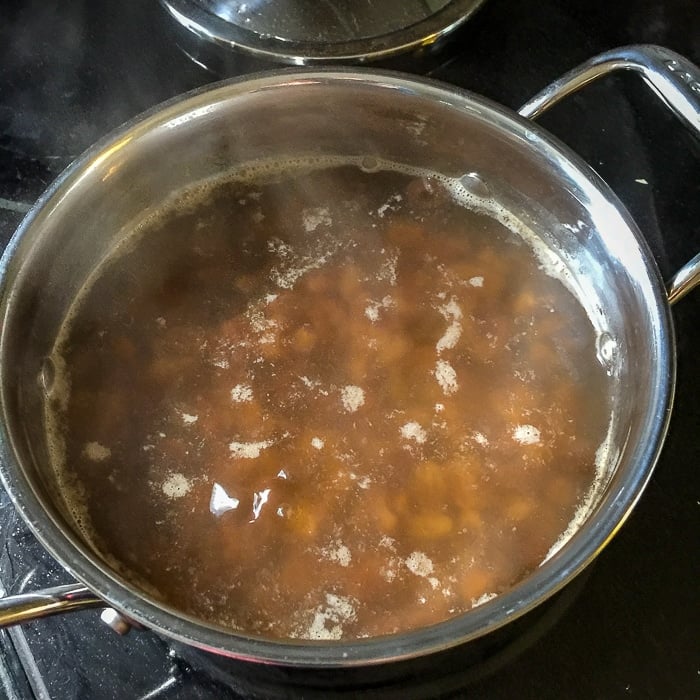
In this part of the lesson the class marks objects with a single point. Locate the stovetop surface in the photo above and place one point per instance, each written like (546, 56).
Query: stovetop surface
(630, 626)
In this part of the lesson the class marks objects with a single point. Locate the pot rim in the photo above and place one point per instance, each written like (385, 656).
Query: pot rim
(611, 512)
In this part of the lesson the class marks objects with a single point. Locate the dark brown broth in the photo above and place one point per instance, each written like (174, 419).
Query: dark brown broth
(405, 407)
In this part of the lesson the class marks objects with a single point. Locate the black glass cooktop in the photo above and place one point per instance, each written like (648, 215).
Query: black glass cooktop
(630, 626)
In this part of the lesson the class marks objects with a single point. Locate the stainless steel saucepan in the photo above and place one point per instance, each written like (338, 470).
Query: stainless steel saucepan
(344, 112)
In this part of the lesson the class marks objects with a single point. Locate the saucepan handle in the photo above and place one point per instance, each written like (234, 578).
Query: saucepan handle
(50, 601)
(675, 79)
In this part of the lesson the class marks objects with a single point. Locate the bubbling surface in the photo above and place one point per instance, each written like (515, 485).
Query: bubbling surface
(327, 401)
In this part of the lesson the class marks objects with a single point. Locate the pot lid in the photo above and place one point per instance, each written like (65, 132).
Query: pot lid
(299, 32)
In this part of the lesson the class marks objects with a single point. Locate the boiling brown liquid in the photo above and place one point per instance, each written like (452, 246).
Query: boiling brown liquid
(328, 404)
